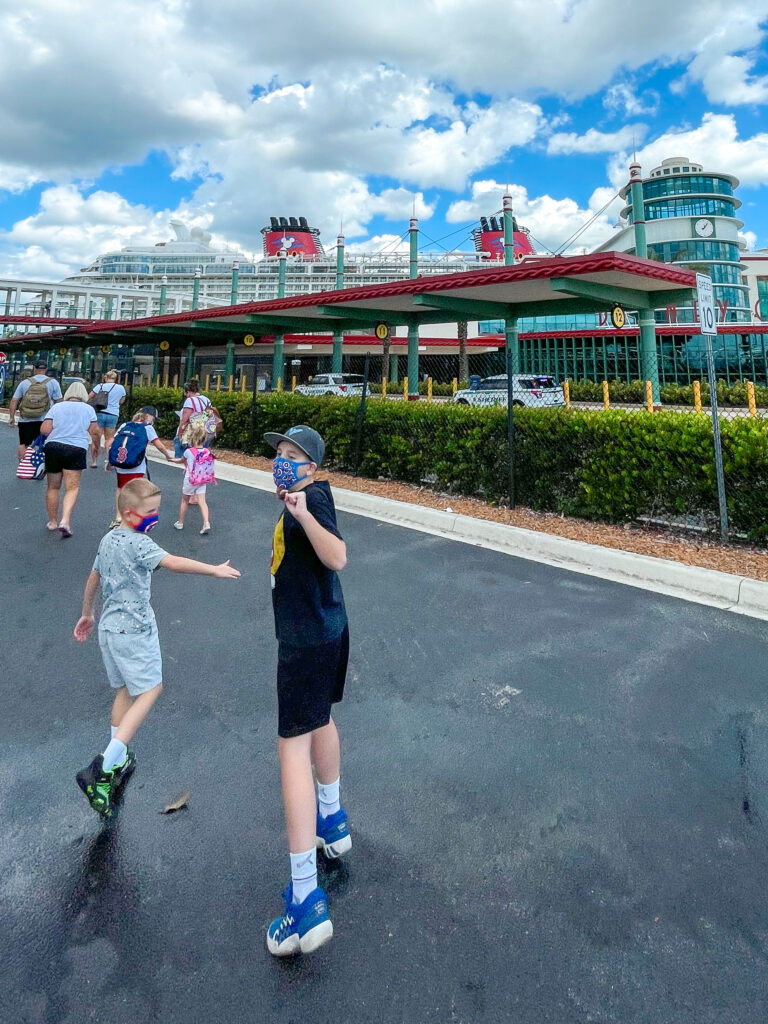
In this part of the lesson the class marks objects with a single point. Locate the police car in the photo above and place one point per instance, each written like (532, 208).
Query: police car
(340, 384)
(527, 389)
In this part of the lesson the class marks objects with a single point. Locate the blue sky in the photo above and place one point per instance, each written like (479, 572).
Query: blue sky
(116, 121)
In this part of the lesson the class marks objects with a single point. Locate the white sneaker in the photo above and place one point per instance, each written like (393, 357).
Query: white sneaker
(178, 526)
(206, 529)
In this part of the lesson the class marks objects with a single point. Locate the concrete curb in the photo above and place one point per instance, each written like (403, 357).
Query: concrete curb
(740, 594)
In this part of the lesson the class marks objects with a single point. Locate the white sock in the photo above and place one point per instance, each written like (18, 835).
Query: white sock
(303, 874)
(112, 730)
(114, 754)
(328, 798)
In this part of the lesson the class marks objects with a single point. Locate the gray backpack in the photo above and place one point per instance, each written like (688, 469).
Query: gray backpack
(36, 401)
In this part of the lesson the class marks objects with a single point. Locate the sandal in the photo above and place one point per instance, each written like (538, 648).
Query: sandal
(64, 530)
(206, 529)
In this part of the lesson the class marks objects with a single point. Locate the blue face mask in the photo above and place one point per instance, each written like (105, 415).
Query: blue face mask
(146, 523)
(285, 473)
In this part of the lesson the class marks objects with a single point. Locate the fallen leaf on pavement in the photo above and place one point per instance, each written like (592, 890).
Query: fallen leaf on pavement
(182, 801)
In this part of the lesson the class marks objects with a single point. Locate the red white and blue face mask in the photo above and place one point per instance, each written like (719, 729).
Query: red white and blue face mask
(145, 523)
(285, 473)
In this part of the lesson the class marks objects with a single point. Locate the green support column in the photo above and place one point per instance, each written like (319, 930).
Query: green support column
(235, 276)
(337, 358)
(110, 306)
(196, 289)
(649, 356)
(229, 362)
(393, 375)
(190, 369)
(156, 363)
(278, 357)
(510, 326)
(413, 330)
(86, 362)
(163, 290)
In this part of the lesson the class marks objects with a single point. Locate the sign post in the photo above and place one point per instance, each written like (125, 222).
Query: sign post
(3, 372)
(706, 303)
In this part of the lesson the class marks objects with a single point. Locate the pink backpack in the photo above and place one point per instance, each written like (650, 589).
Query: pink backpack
(201, 471)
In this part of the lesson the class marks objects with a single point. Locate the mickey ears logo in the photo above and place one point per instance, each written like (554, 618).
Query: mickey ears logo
(292, 431)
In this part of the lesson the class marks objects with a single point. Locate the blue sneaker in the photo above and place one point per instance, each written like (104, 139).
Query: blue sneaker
(332, 834)
(303, 927)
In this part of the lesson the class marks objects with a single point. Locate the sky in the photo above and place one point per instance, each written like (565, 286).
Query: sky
(117, 118)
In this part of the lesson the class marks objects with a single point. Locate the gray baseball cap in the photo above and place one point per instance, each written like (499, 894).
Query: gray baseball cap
(305, 438)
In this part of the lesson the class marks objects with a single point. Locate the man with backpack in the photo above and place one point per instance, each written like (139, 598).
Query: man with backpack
(32, 399)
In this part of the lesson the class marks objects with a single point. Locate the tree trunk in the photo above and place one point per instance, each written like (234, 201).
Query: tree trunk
(461, 334)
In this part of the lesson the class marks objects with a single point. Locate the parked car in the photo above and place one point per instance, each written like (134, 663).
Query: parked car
(341, 384)
(527, 389)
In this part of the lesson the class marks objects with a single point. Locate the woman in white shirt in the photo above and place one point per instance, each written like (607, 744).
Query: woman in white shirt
(106, 418)
(70, 428)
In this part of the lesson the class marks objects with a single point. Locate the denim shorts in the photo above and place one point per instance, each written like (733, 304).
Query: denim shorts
(106, 420)
(132, 660)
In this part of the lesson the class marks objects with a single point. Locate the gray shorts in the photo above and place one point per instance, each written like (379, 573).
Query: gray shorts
(132, 660)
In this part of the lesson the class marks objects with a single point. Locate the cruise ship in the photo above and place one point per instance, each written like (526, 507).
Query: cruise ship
(176, 265)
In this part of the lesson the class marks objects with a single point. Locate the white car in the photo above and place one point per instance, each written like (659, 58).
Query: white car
(527, 389)
(341, 384)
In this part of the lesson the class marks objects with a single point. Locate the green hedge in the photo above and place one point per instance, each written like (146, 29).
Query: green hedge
(614, 466)
(728, 395)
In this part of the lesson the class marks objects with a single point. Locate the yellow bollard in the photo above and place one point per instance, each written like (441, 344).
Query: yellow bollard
(175, 380)
(697, 396)
(649, 396)
(165, 382)
(429, 389)
(293, 383)
(218, 382)
(279, 383)
(207, 382)
(567, 394)
(606, 396)
(242, 383)
(231, 383)
(383, 387)
(405, 388)
(751, 398)
(455, 385)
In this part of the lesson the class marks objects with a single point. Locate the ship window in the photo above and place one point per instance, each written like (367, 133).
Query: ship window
(686, 168)
(666, 170)
(675, 170)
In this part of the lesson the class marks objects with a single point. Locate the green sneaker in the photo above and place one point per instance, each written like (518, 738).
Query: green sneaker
(97, 785)
(122, 772)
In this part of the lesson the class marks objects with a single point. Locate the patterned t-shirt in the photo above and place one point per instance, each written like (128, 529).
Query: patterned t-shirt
(125, 561)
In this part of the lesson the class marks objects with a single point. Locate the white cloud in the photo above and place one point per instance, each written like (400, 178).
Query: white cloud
(726, 56)
(715, 144)
(622, 99)
(594, 141)
(551, 221)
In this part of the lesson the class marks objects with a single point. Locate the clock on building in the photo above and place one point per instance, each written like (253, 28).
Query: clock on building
(704, 227)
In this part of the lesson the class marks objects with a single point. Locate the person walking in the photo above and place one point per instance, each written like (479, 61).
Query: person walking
(31, 400)
(70, 429)
(128, 637)
(199, 472)
(194, 402)
(127, 454)
(313, 649)
(106, 399)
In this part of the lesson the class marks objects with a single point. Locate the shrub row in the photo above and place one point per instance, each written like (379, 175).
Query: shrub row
(613, 466)
(728, 395)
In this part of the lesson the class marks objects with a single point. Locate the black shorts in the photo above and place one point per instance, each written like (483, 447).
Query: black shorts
(29, 431)
(63, 456)
(309, 681)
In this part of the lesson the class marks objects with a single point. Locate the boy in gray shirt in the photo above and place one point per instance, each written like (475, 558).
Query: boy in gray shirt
(128, 638)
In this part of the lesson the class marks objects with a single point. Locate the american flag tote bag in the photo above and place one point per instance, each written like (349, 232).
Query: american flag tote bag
(32, 466)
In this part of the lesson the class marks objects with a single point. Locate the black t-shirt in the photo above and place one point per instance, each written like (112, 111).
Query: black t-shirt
(306, 596)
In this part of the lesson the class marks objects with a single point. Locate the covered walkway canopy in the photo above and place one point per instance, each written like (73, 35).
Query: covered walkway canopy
(536, 287)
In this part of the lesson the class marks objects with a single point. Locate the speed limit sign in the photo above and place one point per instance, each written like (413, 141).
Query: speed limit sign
(706, 301)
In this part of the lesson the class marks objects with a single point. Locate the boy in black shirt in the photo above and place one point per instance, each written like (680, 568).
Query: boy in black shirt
(313, 648)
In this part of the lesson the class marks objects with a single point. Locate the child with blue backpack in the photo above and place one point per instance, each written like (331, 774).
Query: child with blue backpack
(128, 451)
(198, 474)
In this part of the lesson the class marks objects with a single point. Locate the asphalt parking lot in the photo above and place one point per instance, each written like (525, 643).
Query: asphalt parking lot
(556, 787)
